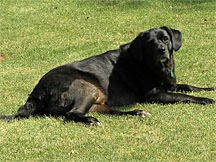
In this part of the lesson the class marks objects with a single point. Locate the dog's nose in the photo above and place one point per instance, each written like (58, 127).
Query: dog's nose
(162, 49)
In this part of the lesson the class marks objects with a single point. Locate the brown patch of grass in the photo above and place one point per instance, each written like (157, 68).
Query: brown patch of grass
(2, 57)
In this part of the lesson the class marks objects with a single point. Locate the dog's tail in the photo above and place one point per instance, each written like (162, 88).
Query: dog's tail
(7, 117)
(25, 111)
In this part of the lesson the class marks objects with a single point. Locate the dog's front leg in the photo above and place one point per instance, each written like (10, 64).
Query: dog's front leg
(190, 88)
(167, 97)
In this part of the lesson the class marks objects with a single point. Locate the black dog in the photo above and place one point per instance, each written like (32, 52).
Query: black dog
(140, 71)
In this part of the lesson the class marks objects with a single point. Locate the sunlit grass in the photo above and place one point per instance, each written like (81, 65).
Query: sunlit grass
(38, 35)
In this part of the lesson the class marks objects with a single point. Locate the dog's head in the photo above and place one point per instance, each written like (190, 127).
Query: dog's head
(154, 49)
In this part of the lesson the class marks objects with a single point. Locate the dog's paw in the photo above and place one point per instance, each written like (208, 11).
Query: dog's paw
(209, 89)
(205, 101)
(141, 113)
(92, 121)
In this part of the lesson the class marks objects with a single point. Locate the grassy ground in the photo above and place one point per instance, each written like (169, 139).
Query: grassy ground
(38, 35)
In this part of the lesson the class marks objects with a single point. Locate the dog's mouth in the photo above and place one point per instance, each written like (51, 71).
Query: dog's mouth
(166, 67)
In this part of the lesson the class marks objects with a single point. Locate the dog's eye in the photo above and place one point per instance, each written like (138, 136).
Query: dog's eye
(165, 39)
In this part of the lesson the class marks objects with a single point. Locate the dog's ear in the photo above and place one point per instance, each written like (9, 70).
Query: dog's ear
(176, 37)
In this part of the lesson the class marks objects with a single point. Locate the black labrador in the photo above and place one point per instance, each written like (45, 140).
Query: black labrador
(142, 71)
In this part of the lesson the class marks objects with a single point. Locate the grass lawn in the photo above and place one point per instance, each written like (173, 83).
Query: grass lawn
(37, 35)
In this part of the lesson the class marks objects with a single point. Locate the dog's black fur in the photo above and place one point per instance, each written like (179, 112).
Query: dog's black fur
(138, 72)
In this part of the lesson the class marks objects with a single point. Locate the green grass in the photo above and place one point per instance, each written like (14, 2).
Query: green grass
(37, 35)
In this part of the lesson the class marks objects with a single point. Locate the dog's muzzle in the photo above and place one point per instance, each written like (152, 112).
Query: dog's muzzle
(164, 60)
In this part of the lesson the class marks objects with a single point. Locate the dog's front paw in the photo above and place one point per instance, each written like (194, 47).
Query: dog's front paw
(209, 89)
(141, 113)
(205, 101)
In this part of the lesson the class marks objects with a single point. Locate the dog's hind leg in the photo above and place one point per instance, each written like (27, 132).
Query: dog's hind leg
(140, 113)
(80, 109)
(84, 95)
(105, 110)
(25, 111)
